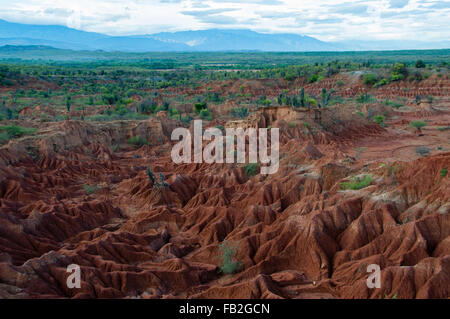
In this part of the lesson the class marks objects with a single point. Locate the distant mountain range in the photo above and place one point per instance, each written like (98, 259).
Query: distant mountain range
(205, 40)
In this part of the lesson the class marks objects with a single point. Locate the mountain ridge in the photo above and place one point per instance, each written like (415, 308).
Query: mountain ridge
(203, 40)
(62, 37)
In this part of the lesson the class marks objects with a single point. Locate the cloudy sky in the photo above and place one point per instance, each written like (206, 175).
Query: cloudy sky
(328, 20)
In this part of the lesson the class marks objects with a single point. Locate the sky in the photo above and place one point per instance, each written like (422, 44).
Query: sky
(327, 20)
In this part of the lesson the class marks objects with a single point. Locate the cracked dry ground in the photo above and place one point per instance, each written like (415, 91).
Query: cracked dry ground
(297, 234)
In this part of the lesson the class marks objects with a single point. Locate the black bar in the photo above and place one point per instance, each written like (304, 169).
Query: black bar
(214, 308)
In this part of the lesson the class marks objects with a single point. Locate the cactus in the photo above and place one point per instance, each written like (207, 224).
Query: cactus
(156, 184)
(326, 97)
(150, 175)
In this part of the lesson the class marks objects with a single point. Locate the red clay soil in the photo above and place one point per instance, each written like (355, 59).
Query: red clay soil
(297, 233)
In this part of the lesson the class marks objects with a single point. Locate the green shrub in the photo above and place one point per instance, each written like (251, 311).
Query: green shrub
(381, 83)
(128, 101)
(228, 265)
(357, 183)
(290, 76)
(399, 72)
(131, 92)
(205, 115)
(379, 119)
(186, 119)
(241, 112)
(397, 77)
(120, 109)
(393, 104)
(312, 78)
(365, 98)
(148, 106)
(444, 172)
(173, 112)
(336, 100)
(418, 76)
(138, 141)
(163, 107)
(4, 137)
(89, 189)
(251, 169)
(418, 124)
(420, 64)
(14, 131)
(198, 107)
(369, 78)
(266, 102)
(311, 102)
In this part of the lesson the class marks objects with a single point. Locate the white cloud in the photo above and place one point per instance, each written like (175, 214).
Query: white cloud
(324, 19)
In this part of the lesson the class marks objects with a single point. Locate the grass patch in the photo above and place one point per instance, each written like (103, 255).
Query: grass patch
(357, 183)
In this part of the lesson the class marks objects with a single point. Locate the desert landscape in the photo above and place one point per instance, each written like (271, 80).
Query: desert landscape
(86, 178)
